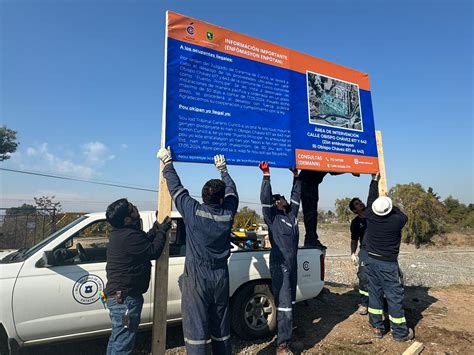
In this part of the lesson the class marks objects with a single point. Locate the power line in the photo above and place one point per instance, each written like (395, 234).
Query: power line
(96, 182)
(89, 181)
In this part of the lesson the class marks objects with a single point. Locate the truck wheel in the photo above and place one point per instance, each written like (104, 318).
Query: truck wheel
(253, 312)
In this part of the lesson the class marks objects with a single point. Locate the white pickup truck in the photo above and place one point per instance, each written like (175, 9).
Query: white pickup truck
(50, 292)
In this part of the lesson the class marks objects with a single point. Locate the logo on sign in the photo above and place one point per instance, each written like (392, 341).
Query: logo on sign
(210, 35)
(87, 289)
(306, 265)
(190, 29)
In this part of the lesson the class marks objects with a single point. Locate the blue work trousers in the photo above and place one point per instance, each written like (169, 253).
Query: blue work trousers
(125, 319)
(284, 280)
(384, 279)
(362, 276)
(205, 309)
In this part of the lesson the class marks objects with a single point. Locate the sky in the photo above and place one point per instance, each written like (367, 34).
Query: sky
(82, 84)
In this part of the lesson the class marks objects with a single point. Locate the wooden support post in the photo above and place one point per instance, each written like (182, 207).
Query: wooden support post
(414, 349)
(160, 295)
(383, 177)
(160, 301)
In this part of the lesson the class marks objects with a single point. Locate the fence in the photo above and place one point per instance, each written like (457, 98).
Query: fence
(23, 228)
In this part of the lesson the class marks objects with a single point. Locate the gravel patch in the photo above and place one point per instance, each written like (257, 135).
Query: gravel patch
(428, 269)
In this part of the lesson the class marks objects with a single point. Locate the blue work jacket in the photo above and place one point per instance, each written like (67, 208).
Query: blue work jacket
(282, 225)
(208, 226)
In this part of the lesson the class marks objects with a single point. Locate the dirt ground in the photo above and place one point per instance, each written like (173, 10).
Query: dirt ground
(442, 319)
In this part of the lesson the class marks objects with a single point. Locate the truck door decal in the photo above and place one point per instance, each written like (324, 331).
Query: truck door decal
(87, 289)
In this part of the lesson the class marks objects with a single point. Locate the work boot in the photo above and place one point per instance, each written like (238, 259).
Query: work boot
(283, 349)
(319, 245)
(296, 347)
(363, 310)
(408, 337)
(377, 333)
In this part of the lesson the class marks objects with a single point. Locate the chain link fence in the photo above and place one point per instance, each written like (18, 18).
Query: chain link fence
(23, 228)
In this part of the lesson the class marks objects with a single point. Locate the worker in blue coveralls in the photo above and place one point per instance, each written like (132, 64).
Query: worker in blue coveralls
(282, 222)
(358, 227)
(383, 236)
(205, 280)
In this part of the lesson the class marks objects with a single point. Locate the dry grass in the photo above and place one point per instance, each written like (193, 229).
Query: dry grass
(457, 239)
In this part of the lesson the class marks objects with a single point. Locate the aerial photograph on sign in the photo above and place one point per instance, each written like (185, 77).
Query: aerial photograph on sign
(333, 102)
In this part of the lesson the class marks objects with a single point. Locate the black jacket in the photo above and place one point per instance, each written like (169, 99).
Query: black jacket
(358, 227)
(128, 259)
(384, 233)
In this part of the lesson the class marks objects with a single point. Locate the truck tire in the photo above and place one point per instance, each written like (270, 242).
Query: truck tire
(253, 312)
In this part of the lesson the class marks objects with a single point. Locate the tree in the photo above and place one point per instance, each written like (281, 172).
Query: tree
(426, 215)
(458, 213)
(343, 212)
(47, 204)
(8, 142)
(321, 216)
(245, 218)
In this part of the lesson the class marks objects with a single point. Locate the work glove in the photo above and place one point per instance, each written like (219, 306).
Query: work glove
(294, 171)
(220, 163)
(164, 154)
(164, 226)
(265, 168)
(355, 259)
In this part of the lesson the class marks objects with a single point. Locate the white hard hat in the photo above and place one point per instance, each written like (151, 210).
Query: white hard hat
(382, 206)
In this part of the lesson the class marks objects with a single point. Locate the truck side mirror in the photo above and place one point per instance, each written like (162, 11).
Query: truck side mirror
(68, 243)
(48, 259)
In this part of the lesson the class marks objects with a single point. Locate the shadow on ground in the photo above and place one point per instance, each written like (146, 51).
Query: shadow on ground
(314, 319)
(174, 339)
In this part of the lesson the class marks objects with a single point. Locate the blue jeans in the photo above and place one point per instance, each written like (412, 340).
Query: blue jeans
(125, 319)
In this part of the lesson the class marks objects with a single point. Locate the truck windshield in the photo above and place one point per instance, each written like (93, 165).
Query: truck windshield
(23, 254)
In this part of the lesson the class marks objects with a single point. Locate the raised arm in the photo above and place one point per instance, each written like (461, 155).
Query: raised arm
(295, 192)
(151, 247)
(266, 199)
(373, 190)
(231, 198)
(402, 216)
(183, 202)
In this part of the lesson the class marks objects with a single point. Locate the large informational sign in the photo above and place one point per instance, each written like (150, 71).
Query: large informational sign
(251, 100)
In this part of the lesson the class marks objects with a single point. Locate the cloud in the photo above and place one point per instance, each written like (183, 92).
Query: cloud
(96, 153)
(30, 151)
(93, 156)
(123, 146)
